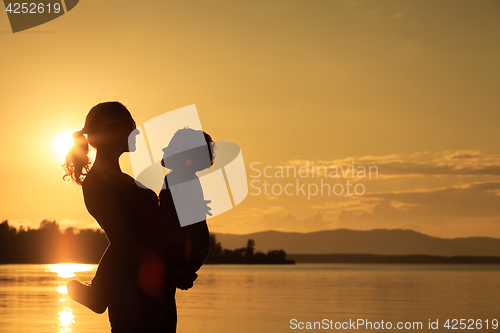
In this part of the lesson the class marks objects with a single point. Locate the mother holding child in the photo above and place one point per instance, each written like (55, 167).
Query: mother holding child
(150, 254)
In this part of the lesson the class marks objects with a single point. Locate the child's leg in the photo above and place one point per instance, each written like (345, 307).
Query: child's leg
(93, 295)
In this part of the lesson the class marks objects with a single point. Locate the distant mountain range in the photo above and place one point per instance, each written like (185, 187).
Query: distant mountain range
(378, 241)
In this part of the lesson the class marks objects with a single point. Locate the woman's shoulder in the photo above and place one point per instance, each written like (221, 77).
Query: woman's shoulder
(98, 180)
(97, 186)
(95, 178)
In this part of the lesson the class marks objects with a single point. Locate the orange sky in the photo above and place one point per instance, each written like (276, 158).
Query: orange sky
(408, 86)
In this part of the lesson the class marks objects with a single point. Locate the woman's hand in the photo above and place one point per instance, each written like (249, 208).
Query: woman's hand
(155, 276)
(184, 277)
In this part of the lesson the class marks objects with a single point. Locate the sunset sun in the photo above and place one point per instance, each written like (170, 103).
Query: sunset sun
(62, 143)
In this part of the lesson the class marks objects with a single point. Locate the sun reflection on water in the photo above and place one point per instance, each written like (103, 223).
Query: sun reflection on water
(62, 289)
(66, 318)
(68, 270)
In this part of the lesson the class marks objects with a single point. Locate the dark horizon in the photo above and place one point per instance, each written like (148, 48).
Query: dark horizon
(48, 244)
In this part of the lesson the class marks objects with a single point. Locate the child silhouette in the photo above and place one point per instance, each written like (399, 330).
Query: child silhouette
(183, 208)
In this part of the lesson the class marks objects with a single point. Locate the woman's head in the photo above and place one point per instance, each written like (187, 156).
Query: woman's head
(107, 127)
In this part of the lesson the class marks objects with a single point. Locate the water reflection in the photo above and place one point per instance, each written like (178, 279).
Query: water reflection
(66, 318)
(68, 270)
(62, 290)
(228, 298)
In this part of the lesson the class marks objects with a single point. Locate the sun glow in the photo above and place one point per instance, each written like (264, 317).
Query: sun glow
(68, 270)
(62, 143)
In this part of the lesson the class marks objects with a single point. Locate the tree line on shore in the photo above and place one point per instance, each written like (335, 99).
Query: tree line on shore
(244, 255)
(48, 244)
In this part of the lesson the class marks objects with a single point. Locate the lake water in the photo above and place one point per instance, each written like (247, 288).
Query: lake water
(239, 298)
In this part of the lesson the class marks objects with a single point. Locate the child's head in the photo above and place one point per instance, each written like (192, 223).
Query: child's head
(179, 155)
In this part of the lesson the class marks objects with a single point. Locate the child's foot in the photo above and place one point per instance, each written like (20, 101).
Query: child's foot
(85, 295)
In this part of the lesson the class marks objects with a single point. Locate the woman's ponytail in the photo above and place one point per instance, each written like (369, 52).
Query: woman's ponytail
(77, 162)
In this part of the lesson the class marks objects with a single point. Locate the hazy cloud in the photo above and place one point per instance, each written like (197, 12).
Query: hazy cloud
(459, 163)
(472, 207)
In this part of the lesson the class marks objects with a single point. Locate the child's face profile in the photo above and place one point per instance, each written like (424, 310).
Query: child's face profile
(177, 158)
(192, 160)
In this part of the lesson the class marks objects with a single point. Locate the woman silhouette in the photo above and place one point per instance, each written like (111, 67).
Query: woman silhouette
(124, 211)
